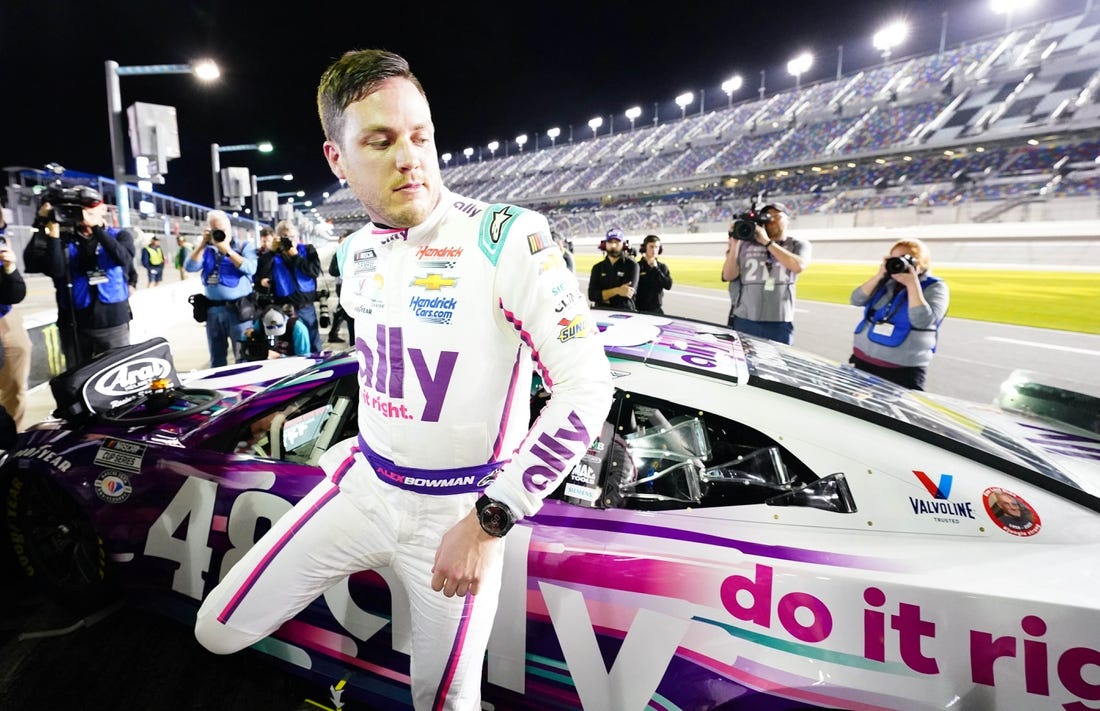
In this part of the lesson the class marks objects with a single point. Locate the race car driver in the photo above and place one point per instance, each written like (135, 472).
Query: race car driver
(456, 303)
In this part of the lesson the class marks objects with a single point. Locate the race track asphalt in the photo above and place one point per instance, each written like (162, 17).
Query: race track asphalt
(122, 656)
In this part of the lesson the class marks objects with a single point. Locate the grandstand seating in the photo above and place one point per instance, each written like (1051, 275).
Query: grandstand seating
(941, 128)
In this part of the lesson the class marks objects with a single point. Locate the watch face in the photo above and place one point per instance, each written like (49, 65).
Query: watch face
(495, 519)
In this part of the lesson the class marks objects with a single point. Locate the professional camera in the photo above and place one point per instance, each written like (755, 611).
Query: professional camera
(897, 265)
(68, 203)
(284, 244)
(217, 235)
(744, 224)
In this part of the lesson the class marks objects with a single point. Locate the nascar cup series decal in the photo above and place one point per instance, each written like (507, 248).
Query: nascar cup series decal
(120, 454)
(113, 487)
(1011, 513)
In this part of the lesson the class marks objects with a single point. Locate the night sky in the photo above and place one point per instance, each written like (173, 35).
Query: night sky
(491, 70)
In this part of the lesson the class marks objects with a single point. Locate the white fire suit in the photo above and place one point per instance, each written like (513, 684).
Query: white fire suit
(451, 318)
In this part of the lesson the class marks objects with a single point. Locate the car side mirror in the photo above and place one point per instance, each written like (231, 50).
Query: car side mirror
(829, 493)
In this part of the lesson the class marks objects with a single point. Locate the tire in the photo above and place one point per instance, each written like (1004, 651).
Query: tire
(53, 541)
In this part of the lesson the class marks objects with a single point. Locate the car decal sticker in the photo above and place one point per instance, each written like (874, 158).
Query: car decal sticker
(120, 454)
(1010, 512)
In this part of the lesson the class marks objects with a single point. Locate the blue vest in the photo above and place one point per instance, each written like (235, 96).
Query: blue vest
(895, 311)
(112, 291)
(228, 274)
(287, 283)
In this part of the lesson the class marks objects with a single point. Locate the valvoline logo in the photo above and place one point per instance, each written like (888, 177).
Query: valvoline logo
(939, 507)
(940, 489)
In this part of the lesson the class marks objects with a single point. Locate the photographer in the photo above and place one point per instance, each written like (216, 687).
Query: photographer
(767, 261)
(276, 334)
(89, 264)
(227, 268)
(903, 307)
(289, 274)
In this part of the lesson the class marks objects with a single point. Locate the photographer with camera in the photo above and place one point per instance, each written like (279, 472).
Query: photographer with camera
(903, 305)
(614, 279)
(227, 268)
(89, 264)
(289, 274)
(15, 343)
(277, 333)
(767, 262)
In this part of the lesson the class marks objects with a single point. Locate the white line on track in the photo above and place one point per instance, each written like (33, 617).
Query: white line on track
(1067, 349)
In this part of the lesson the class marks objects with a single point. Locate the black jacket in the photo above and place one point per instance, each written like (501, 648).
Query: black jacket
(606, 275)
(652, 283)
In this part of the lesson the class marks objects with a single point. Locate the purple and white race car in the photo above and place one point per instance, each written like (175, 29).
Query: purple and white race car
(755, 528)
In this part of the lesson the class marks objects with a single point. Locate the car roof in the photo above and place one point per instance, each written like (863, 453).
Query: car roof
(977, 432)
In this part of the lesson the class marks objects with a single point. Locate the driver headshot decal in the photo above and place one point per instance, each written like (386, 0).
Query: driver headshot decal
(1011, 513)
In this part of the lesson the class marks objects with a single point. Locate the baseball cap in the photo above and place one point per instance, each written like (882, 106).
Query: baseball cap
(778, 207)
(614, 233)
(274, 322)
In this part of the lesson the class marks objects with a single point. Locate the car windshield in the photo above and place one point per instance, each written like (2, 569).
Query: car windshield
(860, 392)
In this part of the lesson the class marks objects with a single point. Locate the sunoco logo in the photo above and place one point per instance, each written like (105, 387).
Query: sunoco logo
(132, 375)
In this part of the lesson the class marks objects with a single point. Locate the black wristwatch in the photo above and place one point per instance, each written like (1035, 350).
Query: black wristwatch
(495, 518)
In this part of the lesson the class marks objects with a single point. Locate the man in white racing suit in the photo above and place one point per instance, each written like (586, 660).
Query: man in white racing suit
(456, 304)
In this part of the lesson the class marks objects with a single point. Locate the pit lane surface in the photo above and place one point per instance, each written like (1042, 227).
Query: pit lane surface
(123, 657)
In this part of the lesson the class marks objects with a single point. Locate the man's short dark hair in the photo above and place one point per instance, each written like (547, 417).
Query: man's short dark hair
(353, 77)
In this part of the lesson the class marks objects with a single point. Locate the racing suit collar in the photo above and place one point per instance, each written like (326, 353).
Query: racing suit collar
(423, 231)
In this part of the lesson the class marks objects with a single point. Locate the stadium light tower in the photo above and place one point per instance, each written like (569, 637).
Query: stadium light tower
(446, 159)
(683, 100)
(632, 113)
(553, 134)
(493, 146)
(594, 124)
(205, 69)
(798, 66)
(730, 86)
(889, 37)
(521, 141)
(216, 164)
(468, 152)
(1007, 7)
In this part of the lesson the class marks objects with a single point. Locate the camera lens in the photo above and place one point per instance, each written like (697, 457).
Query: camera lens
(897, 265)
(218, 235)
(744, 230)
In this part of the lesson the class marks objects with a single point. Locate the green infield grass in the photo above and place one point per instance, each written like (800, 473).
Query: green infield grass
(1068, 301)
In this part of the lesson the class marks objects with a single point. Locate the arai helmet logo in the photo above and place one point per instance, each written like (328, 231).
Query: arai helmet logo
(132, 375)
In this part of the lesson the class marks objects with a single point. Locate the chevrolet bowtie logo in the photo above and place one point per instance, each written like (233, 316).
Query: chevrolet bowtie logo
(434, 282)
